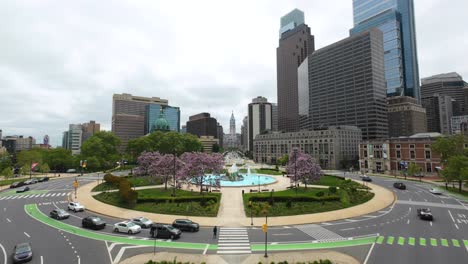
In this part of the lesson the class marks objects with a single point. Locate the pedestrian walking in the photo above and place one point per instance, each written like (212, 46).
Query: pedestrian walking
(215, 230)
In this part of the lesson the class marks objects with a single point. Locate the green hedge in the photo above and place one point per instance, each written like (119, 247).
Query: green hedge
(177, 199)
(293, 198)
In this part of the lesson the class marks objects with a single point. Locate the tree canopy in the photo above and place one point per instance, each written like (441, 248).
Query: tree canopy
(304, 167)
(101, 150)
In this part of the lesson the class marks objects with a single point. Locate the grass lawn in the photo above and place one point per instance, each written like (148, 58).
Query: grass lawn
(454, 190)
(135, 181)
(183, 208)
(310, 207)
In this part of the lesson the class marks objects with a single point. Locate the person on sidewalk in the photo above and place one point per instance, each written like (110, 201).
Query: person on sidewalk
(215, 230)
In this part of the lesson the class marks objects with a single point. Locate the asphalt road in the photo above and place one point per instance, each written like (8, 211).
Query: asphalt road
(403, 237)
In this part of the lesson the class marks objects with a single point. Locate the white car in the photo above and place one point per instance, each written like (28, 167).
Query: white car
(142, 221)
(127, 227)
(435, 191)
(75, 207)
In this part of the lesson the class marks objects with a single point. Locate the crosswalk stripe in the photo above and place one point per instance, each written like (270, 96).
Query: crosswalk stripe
(53, 195)
(401, 241)
(422, 241)
(233, 247)
(444, 242)
(411, 241)
(8, 198)
(42, 195)
(318, 232)
(234, 252)
(233, 241)
(390, 240)
(2, 198)
(47, 195)
(26, 196)
(455, 243)
(433, 242)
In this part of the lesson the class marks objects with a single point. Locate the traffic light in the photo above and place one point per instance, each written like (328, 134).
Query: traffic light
(265, 228)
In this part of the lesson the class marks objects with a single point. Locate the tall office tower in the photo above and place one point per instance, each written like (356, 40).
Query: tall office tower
(395, 18)
(295, 44)
(202, 125)
(465, 95)
(128, 116)
(439, 113)
(171, 114)
(260, 118)
(232, 124)
(344, 84)
(90, 129)
(274, 116)
(0, 134)
(245, 133)
(220, 136)
(450, 84)
(405, 116)
(73, 138)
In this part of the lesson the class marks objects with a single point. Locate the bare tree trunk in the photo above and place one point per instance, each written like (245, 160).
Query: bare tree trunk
(165, 183)
(460, 185)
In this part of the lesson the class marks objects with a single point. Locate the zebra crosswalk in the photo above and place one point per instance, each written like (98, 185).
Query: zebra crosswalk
(233, 240)
(318, 232)
(26, 196)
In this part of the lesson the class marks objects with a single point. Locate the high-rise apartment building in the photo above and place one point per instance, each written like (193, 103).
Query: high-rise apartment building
(450, 84)
(202, 125)
(260, 119)
(18, 143)
(90, 129)
(439, 113)
(344, 84)
(128, 115)
(395, 18)
(245, 133)
(295, 44)
(405, 116)
(73, 138)
(274, 116)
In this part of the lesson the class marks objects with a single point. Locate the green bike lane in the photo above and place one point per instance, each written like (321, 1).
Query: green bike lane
(33, 211)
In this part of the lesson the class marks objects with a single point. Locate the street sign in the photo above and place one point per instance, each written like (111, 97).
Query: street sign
(265, 228)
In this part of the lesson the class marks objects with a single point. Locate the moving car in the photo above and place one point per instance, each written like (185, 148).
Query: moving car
(93, 222)
(17, 184)
(23, 253)
(22, 189)
(435, 191)
(186, 225)
(164, 231)
(366, 178)
(425, 214)
(27, 182)
(59, 214)
(399, 185)
(75, 207)
(43, 179)
(127, 227)
(142, 221)
(71, 171)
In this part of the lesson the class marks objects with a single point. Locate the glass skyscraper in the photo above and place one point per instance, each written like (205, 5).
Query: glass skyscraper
(172, 115)
(395, 18)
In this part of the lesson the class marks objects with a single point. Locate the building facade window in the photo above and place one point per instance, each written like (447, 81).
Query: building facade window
(427, 153)
(428, 167)
(398, 154)
(411, 146)
(412, 154)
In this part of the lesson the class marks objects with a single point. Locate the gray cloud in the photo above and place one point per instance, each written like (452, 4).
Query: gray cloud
(60, 62)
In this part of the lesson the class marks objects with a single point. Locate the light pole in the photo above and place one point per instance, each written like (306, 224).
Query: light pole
(258, 180)
(251, 217)
(266, 233)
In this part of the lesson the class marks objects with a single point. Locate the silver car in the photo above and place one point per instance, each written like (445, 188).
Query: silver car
(142, 221)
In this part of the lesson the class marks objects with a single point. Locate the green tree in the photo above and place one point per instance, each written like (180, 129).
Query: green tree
(7, 172)
(44, 168)
(27, 157)
(413, 169)
(137, 146)
(456, 169)
(59, 159)
(103, 147)
(5, 161)
(283, 160)
(450, 146)
(215, 148)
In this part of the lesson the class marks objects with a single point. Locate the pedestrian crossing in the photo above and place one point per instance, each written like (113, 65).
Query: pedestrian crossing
(26, 196)
(422, 241)
(318, 232)
(233, 240)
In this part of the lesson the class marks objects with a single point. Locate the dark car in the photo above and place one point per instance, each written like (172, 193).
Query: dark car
(23, 253)
(17, 184)
(425, 214)
(399, 185)
(43, 179)
(23, 189)
(186, 225)
(164, 231)
(59, 214)
(93, 222)
(366, 179)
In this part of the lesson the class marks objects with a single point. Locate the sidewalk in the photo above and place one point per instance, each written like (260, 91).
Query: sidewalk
(231, 212)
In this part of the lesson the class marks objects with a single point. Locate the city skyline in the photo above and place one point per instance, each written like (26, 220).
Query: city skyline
(68, 78)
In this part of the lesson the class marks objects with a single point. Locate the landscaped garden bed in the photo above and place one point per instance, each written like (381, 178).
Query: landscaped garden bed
(135, 181)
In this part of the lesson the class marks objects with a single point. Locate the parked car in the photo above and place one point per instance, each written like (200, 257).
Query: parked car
(186, 225)
(71, 171)
(75, 207)
(435, 191)
(33, 180)
(17, 184)
(366, 178)
(142, 221)
(59, 214)
(399, 185)
(43, 179)
(127, 227)
(22, 189)
(27, 182)
(164, 231)
(93, 222)
(23, 253)
(425, 214)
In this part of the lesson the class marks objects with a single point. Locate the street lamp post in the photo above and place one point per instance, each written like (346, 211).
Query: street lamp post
(266, 234)
(251, 217)
(258, 180)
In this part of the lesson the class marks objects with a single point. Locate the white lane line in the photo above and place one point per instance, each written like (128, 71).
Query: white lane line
(351, 228)
(4, 253)
(53, 195)
(121, 252)
(79, 260)
(206, 249)
(9, 221)
(451, 216)
(456, 226)
(430, 223)
(407, 222)
(369, 253)
(26, 234)
(42, 260)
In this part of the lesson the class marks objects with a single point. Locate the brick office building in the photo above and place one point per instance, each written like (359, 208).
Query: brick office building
(392, 156)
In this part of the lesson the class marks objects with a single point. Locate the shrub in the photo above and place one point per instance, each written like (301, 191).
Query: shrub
(178, 199)
(344, 198)
(320, 194)
(332, 189)
(289, 203)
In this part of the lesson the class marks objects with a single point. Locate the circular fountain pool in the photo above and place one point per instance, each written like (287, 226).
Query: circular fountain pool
(246, 180)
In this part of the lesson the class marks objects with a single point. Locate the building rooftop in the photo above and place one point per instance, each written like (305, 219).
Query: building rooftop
(443, 77)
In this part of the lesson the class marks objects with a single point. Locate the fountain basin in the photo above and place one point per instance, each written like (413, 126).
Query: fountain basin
(248, 180)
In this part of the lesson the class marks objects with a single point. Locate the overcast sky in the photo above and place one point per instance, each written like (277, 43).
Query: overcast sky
(61, 61)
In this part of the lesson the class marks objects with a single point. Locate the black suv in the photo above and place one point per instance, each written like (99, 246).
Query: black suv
(399, 185)
(425, 214)
(186, 225)
(93, 222)
(366, 179)
(43, 179)
(17, 184)
(164, 231)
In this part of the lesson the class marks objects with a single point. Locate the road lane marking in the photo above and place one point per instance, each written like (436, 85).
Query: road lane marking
(433, 242)
(42, 260)
(390, 240)
(4, 254)
(411, 241)
(422, 241)
(455, 243)
(430, 223)
(9, 221)
(26, 234)
(351, 228)
(451, 216)
(369, 253)
(407, 222)
(206, 249)
(401, 241)
(444, 242)
(456, 226)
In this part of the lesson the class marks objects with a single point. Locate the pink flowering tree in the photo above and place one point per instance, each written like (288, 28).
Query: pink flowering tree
(165, 168)
(146, 163)
(303, 167)
(197, 164)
